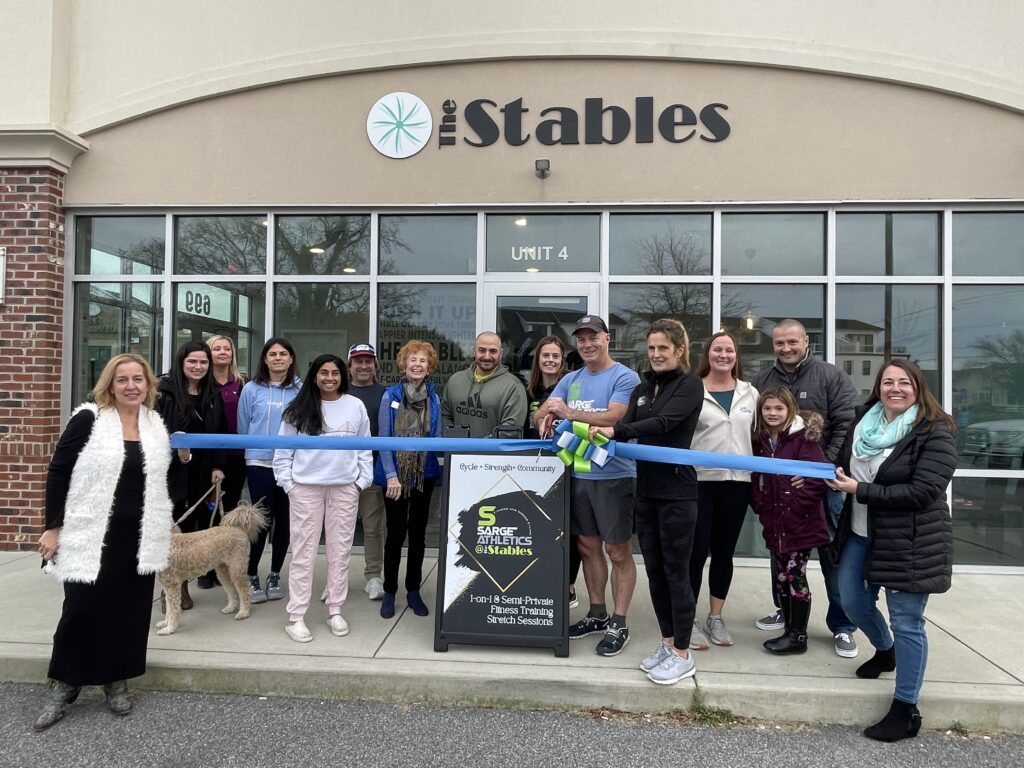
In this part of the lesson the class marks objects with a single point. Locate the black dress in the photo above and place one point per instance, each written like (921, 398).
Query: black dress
(104, 626)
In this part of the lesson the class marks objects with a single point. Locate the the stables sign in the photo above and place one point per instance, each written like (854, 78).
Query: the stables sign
(400, 124)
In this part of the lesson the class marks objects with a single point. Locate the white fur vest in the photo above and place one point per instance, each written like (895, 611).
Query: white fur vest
(90, 497)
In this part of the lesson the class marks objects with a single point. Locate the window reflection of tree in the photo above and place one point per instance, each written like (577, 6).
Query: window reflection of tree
(215, 245)
(343, 240)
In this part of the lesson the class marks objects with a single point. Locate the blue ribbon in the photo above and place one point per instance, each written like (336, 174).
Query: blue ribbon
(707, 459)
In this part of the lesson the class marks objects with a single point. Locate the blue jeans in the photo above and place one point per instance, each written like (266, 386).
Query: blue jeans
(906, 614)
(836, 618)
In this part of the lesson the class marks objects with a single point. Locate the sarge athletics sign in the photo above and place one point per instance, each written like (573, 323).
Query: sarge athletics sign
(503, 565)
(400, 124)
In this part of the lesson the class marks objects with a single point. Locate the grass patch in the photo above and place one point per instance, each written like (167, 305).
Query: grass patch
(711, 716)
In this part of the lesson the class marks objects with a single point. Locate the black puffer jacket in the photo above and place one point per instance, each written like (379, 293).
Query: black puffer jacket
(909, 523)
(667, 419)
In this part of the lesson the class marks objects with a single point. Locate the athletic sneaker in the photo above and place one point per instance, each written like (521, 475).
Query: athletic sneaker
(274, 590)
(697, 640)
(845, 645)
(588, 626)
(717, 631)
(672, 669)
(256, 593)
(774, 620)
(614, 640)
(574, 602)
(659, 655)
(374, 588)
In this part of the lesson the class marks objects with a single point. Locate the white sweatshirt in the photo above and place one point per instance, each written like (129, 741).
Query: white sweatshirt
(726, 432)
(344, 417)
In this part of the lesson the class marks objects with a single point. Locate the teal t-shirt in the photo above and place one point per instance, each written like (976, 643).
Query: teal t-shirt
(724, 399)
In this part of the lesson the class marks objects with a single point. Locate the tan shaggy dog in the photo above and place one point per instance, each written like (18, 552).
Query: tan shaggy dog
(224, 548)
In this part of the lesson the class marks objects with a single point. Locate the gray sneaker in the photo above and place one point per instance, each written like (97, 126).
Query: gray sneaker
(374, 588)
(717, 631)
(845, 645)
(774, 620)
(672, 669)
(274, 591)
(256, 594)
(659, 655)
(697, 640)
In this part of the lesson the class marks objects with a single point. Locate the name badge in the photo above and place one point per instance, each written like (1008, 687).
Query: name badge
(394, 404)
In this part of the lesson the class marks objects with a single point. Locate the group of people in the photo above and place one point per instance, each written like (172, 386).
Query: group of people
(114, 487)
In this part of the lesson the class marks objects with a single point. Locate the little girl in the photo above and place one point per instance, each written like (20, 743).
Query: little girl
(323, 489)
(790, 508)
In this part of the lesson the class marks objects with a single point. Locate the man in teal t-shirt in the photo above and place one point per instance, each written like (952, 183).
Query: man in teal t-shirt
(602, 500)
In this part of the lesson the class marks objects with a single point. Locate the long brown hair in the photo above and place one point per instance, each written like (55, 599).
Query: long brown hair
(784, 396)
(675, 332)
(928, 408)
(705, 362)
(536, 376)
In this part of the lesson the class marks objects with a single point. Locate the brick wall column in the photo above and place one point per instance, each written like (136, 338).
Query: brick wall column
(31, 345)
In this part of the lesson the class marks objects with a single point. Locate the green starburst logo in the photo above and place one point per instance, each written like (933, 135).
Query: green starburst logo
(399, 125)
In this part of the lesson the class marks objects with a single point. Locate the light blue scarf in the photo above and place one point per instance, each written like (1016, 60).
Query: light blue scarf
(875, 434)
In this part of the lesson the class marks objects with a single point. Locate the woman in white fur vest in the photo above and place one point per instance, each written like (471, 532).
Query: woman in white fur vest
(108, 531)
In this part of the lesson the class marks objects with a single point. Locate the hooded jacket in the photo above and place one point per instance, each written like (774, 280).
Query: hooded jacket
(791, 518)
(499, 400)
(726, 432)
(909, 524)
(259, 413)
(817, 386)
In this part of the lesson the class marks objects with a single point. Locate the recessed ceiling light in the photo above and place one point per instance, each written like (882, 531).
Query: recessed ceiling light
(265, 223)
(521, 222)
(532, 269)
(316, 250)
(349, 270)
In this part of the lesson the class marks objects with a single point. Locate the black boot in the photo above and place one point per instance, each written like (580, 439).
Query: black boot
(784, 606)
(795, 640)
(61, 695)
(882, 661)
(903, 721)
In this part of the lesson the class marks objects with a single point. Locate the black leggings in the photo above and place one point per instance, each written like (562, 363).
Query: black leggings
(665, 529)
(721, 507)
(264, 488)
(406, 515)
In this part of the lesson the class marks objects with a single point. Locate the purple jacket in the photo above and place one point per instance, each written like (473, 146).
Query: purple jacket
(792, 518)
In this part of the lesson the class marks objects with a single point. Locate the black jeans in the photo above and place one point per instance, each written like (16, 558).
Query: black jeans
(234, 481)
(264, 488)
(722, 505)
(665, 528)
(406, 515)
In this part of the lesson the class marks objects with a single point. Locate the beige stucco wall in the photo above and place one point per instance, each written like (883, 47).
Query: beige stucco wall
(795, 136)
(116, 59)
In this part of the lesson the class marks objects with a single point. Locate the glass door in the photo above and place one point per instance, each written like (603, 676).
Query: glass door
(523, 314)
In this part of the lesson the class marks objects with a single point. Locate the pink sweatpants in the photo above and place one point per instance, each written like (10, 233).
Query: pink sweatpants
(333, 509)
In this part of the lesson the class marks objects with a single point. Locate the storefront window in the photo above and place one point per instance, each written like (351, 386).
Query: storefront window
(220, 245)
(988, 243)
(751, 311)
(235, 310)
(632, 308)
(773, 244)
(119, 245)
(544, 243)
(111, 319)
(442, 313)
(875, 323)
(428, 245)
(888, 243)
(988, 520)
(318, 318)
(322, 245)
(660, 244)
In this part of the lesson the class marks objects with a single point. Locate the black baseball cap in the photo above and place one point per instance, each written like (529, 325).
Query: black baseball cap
(590, 323)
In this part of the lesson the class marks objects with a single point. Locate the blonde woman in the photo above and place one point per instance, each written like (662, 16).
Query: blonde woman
(229, 383)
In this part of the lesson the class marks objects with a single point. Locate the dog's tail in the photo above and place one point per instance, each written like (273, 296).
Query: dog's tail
(249, 518)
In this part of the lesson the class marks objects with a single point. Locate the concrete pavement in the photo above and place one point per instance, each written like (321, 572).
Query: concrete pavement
(975, 671)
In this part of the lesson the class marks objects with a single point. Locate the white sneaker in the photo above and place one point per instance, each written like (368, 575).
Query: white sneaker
(338, 625)
(299, 632)
(323, 596)
(672, 669)
(374, 588)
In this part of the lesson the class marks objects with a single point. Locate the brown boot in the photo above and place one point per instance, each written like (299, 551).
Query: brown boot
(117, 697)
(186, 598)
(61, 695)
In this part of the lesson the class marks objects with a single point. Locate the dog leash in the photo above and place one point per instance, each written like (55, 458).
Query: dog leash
(217, 508)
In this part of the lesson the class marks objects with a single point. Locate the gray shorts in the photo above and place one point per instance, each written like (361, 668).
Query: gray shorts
(603, 508)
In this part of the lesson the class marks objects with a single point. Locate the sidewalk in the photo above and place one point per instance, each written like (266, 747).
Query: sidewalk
(975, 671)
